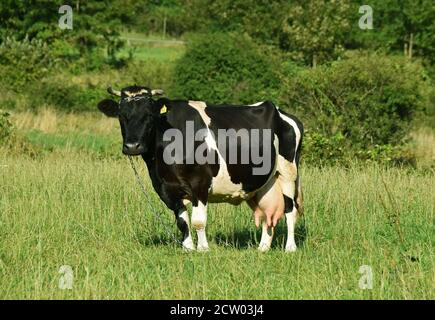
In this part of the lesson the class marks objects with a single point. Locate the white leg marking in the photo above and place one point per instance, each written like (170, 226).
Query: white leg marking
(199, 221)
(291, 221)
(188, 242)
(266, 238)
(202, 240)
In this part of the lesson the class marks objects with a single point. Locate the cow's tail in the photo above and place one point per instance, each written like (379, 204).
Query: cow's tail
(299, 198)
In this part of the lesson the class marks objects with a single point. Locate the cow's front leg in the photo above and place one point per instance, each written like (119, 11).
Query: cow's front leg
(199, 221)
(183, 224)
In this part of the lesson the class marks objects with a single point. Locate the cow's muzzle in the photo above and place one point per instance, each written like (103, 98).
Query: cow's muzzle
(133, 149)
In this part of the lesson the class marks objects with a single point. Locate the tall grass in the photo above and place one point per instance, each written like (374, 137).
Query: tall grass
(77, 204)
(423, 141)
(70, 209)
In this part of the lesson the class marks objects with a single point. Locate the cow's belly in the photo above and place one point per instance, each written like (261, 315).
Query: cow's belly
(222, 189)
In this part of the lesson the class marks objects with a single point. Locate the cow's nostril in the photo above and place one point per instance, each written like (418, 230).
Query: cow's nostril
(132, 148)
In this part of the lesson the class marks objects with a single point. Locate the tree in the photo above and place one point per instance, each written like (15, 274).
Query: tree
(313, 30)
(222, 67)
(96, 23)
(412, 27)
(260, 19)
(398, 25)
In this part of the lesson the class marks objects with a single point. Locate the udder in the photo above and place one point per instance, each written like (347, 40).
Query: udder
(268, 204)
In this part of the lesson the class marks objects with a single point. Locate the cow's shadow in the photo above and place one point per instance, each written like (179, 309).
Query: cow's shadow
(248, 238)
(240, 238)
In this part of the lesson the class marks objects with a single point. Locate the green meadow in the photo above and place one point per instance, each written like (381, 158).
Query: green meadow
(74, 223)
(143, 48)
(77, 204)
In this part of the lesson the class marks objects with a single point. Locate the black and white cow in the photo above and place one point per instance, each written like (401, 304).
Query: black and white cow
(178, 178)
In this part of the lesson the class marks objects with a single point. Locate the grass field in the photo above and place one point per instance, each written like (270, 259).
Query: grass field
(77, 204)
(145, 47)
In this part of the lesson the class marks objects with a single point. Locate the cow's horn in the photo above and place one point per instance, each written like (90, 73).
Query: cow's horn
(114, 92)
(157, 92)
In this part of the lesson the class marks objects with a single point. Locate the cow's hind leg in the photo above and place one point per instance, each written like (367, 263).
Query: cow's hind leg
(290, 214)
(199, 221)
(288, 180)
(183, 224)
(268, 207)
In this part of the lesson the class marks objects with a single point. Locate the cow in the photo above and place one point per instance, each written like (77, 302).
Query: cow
(149, 125)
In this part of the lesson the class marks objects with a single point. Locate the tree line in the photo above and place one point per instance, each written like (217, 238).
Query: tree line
(311, 31)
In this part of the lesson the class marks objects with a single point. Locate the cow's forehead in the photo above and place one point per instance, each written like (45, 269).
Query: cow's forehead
(135, 90)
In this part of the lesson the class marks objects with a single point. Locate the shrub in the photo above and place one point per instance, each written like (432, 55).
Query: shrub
(149, 73)
(226, 68)
(11, 142)
(368, 99)
(23, 62)
(64, 95)
(320, 149)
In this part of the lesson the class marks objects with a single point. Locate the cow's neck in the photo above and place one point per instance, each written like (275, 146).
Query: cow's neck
(152, 157)
(154, 140)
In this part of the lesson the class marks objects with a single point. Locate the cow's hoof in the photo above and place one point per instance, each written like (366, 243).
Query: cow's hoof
(203, 248)
(187, 250)
(263, 247)
(290, 247)
(188, 245)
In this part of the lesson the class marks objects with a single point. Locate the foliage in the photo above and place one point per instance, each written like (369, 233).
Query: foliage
(308, 29)
(5, 127)
(246, 51)
(314, 31)
(226, 68)
(149, 73)
(260, 19)
(95, 25)
(319, 149)
(157, 15)
(65, 96)
(359, 103)
(12, 142)
(23, 62)
(393, 23)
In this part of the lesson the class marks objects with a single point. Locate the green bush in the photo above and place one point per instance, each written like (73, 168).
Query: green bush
(322, 150)
(149, 73)
(12, 142)
(228, 68)
(24, 62)
(368, 100)
(65, 96)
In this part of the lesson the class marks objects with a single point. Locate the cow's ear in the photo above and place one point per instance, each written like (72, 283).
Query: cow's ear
(109, 107)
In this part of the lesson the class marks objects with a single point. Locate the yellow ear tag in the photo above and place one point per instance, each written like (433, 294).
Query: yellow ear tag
(163, 110)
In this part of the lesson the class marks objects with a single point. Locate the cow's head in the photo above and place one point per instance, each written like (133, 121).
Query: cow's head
(137, 112)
